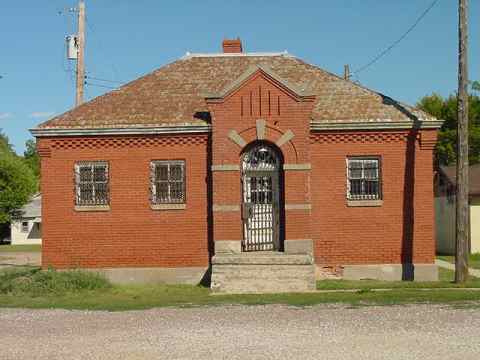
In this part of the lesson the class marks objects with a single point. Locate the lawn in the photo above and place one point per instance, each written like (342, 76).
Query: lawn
(473, 260)
(20, 248)
(31, 288)
(446, 278)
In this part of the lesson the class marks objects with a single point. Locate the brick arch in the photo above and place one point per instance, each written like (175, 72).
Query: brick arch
(268, 143)
(272, 134)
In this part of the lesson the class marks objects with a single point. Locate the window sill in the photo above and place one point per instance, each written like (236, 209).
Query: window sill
(168, 206)
(93, 208)
(364, 203)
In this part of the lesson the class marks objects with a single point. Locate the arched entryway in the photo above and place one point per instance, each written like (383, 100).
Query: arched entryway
(262, 196)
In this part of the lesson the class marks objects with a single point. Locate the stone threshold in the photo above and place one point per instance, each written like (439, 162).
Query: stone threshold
(263, 258)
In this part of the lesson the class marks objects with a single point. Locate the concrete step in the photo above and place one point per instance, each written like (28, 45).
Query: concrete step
(262, 273)
(263, 258)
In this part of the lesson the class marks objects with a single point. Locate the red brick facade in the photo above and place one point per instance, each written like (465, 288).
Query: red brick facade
(401, 229)
(131, 234)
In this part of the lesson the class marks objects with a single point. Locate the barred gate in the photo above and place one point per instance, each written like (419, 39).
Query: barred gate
(260, 209)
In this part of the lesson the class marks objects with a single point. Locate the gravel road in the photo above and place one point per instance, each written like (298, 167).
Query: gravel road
(241, 332)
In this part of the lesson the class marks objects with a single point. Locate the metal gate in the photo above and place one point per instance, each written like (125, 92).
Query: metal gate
(260, 209)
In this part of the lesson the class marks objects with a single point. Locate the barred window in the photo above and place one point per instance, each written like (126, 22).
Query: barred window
(167, 182)
(364, 181)
(92, 183)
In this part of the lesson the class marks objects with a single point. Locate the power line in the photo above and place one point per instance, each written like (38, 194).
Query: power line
(105, 80)
(410, 29)
(100, 85)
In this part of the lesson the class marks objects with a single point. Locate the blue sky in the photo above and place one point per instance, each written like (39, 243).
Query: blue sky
(126, 39)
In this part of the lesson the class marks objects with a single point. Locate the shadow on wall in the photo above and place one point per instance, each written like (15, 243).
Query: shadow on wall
(211, 245)
(408, 192)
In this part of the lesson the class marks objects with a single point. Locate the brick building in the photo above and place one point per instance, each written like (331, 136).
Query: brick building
(249, 161)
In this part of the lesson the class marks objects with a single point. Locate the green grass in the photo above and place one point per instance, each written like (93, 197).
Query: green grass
(143, 297)
(33, 282)
(20, 248)
(32, 288)
(446, 278)
(473, 260)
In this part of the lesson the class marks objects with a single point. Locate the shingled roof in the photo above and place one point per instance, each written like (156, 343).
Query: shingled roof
(450, 172)
(174, 95)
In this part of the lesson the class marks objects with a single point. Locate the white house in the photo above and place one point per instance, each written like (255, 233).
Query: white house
(445, 209)
(27, 228)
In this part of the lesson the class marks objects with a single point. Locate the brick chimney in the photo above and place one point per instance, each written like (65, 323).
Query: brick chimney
(232, 46)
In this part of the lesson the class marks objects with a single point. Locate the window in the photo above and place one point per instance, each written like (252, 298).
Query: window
(167, 182)
(25, 226)
(363, 178)
(91, 183)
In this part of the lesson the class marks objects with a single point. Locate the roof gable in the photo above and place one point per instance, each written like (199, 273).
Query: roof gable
(265, 71)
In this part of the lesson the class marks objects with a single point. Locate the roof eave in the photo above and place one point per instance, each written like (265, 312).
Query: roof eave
(159, 130)
(375, 125)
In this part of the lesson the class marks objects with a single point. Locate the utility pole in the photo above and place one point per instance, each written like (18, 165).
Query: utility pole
(81, 53)
(462, 206)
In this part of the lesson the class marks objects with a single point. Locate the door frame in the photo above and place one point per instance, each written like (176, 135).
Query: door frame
(278, 193)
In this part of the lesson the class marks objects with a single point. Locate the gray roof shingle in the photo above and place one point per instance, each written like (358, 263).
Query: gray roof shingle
(33, 209)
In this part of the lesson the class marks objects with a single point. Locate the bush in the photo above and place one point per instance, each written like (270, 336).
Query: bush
(35, 282)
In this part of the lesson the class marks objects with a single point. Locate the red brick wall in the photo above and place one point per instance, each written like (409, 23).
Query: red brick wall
(131, 234)
(401, 230)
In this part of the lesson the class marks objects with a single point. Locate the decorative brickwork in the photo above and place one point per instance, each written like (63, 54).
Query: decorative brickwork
(127, 141)
(362, 137)
(44, 151)
(285, 121)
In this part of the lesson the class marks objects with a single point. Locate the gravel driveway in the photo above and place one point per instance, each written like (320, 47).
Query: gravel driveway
(241, 332)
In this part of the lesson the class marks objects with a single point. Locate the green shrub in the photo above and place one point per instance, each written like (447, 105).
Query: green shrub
(35, 282)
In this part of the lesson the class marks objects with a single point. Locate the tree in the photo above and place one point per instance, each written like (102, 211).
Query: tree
(446, 109)
(475, 85)
(5, 143)
(17, 182)
(32, 159)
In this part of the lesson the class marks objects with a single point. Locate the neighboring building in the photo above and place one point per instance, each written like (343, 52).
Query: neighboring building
(27, 227)
(445, 213)
(233, 154)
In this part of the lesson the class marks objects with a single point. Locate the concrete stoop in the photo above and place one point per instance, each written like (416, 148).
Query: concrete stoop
(262, 273)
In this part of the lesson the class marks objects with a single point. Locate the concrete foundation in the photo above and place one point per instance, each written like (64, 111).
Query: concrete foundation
(304, 246)
(265, 272)
(391, 272)
(184, 275)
